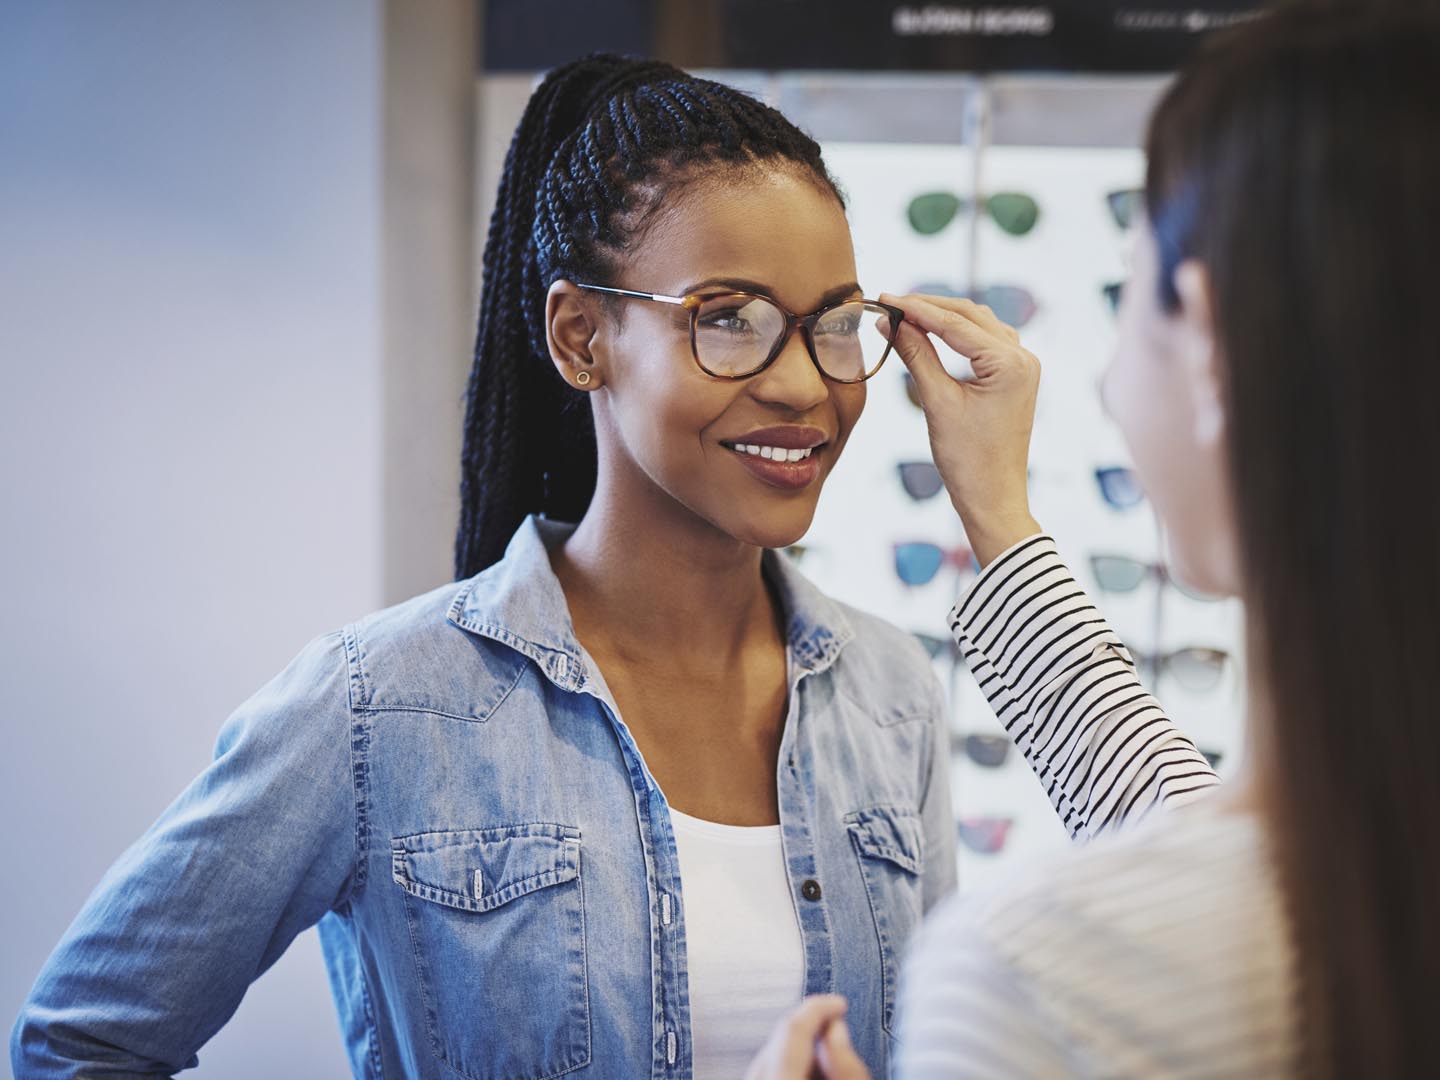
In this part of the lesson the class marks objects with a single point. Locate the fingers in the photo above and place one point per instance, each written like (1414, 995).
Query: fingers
(837, 1056)
(919, 355)
(790, 1053)
(957, 322)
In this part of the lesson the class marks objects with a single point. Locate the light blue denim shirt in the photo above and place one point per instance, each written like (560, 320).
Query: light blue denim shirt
(448, 789)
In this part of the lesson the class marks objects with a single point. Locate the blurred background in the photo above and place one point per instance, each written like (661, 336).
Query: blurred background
(239, 250)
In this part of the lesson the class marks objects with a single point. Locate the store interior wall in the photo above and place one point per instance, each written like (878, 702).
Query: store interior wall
(215, 280)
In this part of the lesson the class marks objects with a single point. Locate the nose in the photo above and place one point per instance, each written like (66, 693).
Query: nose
(793, 380)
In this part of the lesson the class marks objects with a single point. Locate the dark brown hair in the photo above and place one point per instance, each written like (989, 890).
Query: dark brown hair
(1298, 159)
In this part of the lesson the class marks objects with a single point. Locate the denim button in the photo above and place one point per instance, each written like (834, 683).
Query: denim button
(810, 890)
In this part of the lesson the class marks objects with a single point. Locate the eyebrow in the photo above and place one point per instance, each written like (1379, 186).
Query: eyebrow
(840, 292)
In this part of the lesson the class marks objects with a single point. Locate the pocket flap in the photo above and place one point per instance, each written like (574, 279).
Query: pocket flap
(888, 832)
(480, 869)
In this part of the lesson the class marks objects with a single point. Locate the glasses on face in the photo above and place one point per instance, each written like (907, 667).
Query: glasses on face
(1123, 574)
(1196, 669)
(1012, 304)
(1015, 212)
(985, 835)
(987, 751)
(918, 561)
(734, 335)
(920, 479)
(1125, 205)
(1119, 487)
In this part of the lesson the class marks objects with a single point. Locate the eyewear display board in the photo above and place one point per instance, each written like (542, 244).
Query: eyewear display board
(859, 35)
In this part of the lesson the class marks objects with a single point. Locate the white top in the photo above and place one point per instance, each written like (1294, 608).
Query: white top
(745, 958)
(1162, 950)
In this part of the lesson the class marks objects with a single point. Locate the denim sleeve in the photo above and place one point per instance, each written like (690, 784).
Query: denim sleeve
(937, 816)
(256, 849)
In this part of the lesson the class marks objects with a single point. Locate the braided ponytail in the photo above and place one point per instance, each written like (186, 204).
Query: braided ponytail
(601, 143)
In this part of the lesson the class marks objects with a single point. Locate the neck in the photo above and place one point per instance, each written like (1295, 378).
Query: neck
(1249, 790)
(638, 573)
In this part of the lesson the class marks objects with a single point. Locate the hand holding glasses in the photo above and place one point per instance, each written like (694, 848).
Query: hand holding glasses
(1013, 305)
(734, 335)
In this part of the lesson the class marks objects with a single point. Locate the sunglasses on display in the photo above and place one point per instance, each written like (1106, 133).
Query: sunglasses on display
(987, 751)
(1125, 206)
(985, 835)
(937, 646)
(734, 335)
(1123, 574)
(1012, 304)
(1214, 757)
(1112, 292)
(1119, 487)
(1015, 212)
(918, 561)
(1196, 669)
(920, 479)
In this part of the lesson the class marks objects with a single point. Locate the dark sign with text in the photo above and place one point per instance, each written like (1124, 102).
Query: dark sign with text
(860, 35)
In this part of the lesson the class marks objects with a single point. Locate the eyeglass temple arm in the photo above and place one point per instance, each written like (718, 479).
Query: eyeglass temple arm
(631, 292)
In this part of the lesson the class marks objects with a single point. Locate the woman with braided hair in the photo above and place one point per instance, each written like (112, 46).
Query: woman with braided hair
(612, 803)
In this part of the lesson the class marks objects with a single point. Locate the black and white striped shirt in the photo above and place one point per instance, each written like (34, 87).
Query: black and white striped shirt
(1159, 951)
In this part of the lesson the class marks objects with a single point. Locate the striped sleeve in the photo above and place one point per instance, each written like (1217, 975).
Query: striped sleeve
(1064, 686)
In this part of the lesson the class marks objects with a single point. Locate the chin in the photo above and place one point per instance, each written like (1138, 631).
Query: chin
(778, 529)
(1205, 571)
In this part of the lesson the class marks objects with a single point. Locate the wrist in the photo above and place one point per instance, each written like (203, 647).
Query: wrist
(992, 535)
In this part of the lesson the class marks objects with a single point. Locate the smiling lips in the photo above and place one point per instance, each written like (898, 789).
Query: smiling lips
(783, 457)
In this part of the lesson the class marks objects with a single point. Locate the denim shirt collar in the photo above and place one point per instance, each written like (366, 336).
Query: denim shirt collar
(518, 602)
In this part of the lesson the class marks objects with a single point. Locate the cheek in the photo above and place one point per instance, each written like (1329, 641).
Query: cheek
(1144, 398)
(849, 405)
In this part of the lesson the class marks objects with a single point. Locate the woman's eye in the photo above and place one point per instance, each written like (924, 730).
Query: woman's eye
(730, 321)
(847, 325)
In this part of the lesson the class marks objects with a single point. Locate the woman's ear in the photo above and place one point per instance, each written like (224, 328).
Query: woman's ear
(1200, 352)
(570, 329)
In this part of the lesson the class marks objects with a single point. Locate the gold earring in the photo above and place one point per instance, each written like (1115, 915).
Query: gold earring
(583, 378)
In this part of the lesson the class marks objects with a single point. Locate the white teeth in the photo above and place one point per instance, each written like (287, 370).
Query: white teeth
(773, 453)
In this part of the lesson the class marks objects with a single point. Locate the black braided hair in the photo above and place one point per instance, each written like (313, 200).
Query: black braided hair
(602, 141)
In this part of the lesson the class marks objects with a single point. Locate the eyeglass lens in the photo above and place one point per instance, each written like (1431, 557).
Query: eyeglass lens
(735, 334)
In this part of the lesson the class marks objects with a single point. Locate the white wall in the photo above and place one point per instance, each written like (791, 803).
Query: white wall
(190, 421)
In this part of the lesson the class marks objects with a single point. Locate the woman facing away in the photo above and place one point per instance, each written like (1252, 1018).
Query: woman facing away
(1278, 381)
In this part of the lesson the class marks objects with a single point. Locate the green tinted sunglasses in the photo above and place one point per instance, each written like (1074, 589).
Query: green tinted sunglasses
(1014, 212)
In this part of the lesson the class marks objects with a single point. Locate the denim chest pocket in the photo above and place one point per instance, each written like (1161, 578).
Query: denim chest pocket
(889, 844)
(497, 928)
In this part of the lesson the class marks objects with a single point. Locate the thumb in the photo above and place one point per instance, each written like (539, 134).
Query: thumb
(837, 1057)
(917, 352)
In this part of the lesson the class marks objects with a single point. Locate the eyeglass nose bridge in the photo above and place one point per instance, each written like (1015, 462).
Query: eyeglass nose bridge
(806, 325)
